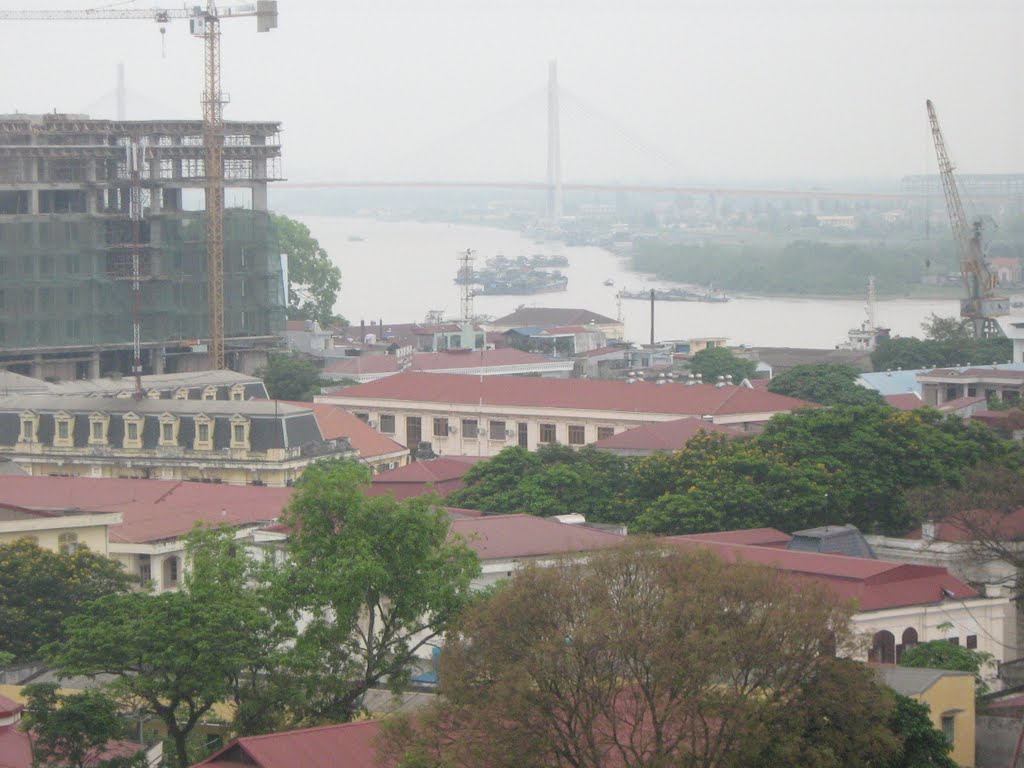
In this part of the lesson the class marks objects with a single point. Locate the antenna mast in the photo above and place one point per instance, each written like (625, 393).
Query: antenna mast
(466, 284)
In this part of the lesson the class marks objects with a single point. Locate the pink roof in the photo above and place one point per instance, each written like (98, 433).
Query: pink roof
(474, 358)
(334, 422)
(905, 401)
(350, 745)
(874, 584)
(363, 364)
(664, 435)
(152, 510)
(9, 707)
(758, 537)
(15, 750)
(584, 394)
(499, 537)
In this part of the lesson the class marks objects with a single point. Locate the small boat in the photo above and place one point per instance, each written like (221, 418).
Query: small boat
(356, 238)
(609, 281)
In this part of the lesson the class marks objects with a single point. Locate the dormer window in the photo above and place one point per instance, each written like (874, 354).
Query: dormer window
(238, 392)
(181, 393)
(209, 393)
(239, 432)
(204, 433)
(153, 394)
(64, 430)
(168, 430)
(124, 394)
(132, 431)
(98, 423)
(29, 427)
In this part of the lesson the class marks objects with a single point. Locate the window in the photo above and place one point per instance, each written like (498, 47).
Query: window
(523, 434)
(63, 430)
(132, 431)
(170, 571)
(204, 433)
(440, 427)
(209, 393)
(98, 429)
(238, 392)
(972, 642)
(169, 430)
(547, 433)
(883, 648)
(181, 393)
(603, 433)
(949, 727)
(577, 434)
(68, 543)
(239, 432)
(953, 640)
(497, 430)
(363, 417)
(469, 429)
(387, 423)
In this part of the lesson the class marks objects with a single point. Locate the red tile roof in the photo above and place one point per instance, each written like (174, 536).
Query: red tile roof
(499, 537)
(905, 401)
(442, 476)
(961, 402)
(664, 435)
(874, 584)
(584, 394)
(10, 707)
(335, 422)
(152, 510)
(363, 364)
(1008, 526)
(758, 537)
(15, 750)
(351, 745)
(474, 358)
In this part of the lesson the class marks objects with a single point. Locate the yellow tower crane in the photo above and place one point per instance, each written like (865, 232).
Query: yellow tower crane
(204, 23)
(982, 305)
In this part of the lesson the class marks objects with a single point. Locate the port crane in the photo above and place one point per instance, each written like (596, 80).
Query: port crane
(204, 22)
(982, 305)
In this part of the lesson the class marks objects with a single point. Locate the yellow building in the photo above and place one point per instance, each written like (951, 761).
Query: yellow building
(60, 531)
(950, 698)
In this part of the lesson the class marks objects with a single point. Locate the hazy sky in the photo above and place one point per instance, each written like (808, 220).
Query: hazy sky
(454, 88)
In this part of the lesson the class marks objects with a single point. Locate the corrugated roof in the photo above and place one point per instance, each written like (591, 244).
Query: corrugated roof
(905, 401)
(761, 537)
(832, 539)
(430, 471)
(912, 681)
(582, 394)
(500, 537)
(350, 745)
(874, 584)
(664, 435)
(152, 510)
(551, 316)
(475, 358)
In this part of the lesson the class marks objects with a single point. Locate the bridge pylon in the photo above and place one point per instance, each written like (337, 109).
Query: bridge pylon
(554, 151)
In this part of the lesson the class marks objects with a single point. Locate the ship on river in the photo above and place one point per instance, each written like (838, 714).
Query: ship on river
(677, 294)
(503, 276)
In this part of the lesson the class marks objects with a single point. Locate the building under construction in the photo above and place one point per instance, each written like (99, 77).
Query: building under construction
(68, 236)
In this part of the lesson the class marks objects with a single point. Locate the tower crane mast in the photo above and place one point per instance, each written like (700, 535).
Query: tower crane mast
(981, 306)
(204, 23)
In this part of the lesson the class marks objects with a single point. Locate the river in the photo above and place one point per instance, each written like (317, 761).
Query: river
(401, 270)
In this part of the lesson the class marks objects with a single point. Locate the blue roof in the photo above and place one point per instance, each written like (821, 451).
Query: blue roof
(898, 382)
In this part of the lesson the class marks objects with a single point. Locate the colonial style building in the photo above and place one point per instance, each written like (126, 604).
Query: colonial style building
(59, 530)
(481, 415)
(229, 441)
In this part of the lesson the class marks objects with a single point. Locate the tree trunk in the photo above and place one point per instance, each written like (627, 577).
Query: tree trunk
(181, 747)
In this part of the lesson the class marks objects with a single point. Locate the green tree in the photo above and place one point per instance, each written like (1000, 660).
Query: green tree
(40, 588)
(940, 654)
(909, 353)
(178, 653)
(825, 383)
(654, 656)
(313, 279)
(73, 730)
(922, 744)
(292, 377)
(713, 362)
(377, 579)
(956, 329)
(554, 480)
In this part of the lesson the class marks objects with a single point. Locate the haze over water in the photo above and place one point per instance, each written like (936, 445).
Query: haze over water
(402, 270)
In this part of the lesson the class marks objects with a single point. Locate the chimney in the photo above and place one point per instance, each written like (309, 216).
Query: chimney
(928, 530)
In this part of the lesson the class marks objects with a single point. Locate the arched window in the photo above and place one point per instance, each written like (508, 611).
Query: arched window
(883, 648)
(171, 571)
(909, 640)
(67, 543)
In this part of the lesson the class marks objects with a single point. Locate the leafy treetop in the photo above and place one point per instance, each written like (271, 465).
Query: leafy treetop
(941, 654)
(313, 279)
(825, 383)
(713, 362)
(291, 377)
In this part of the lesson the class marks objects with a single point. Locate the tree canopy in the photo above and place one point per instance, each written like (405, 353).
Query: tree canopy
(40, 588)
(292, 377)
(825, 383)
(909, 353)
(376, 580)
(658, 657)
(313, 279)
(940, 654)
(713, 362)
